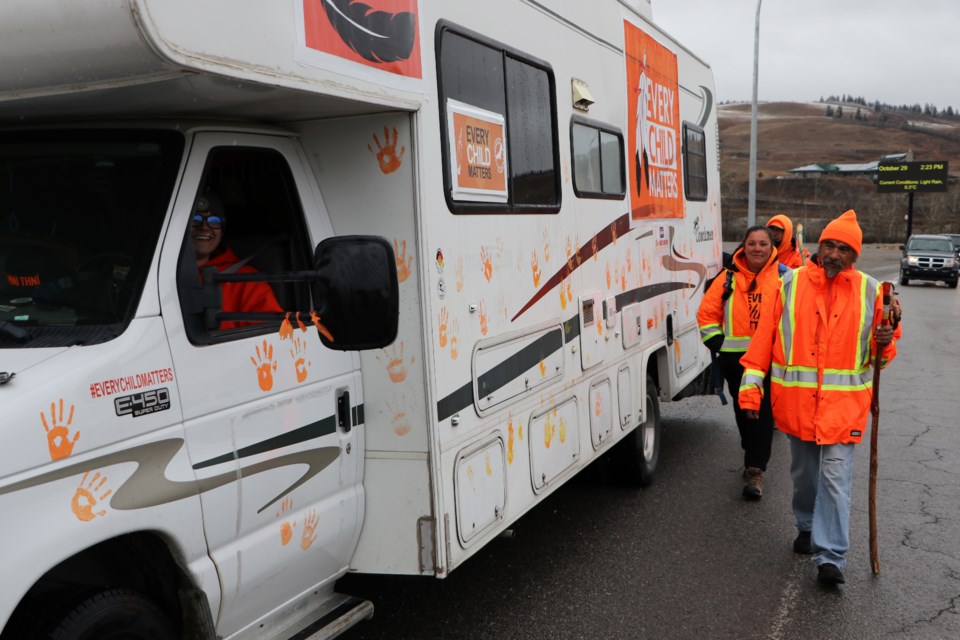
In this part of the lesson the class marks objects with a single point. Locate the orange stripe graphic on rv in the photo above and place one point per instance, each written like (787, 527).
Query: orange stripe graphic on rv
(653, 131)
(606, 236)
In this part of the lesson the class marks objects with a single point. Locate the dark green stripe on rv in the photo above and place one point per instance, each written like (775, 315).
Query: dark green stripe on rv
(317, 429)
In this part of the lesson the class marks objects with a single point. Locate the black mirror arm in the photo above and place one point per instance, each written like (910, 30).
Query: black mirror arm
(282, 276)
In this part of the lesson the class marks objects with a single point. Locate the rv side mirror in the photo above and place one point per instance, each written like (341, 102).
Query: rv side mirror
(355, 292)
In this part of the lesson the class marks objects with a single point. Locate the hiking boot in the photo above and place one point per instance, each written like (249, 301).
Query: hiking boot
(753, 489)
(830, 574)
(802, 544)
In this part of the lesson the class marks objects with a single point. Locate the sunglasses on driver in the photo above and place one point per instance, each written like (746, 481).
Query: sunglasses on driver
(214, 222)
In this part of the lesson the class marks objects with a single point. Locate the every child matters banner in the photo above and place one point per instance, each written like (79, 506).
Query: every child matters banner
(653, 134)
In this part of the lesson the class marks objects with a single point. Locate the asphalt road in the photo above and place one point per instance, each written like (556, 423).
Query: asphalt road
(688, 558)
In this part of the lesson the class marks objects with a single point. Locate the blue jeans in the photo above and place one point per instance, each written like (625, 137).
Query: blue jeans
(822, 479)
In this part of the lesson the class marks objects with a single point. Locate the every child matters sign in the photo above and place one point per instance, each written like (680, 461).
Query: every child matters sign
(653, 134)
(478, 153)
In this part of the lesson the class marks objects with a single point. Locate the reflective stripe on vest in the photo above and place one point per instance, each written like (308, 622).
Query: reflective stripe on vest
(868, 306)
(752, 378)
(707, 331)
(732, 343)
(788, 295)
(794, 376)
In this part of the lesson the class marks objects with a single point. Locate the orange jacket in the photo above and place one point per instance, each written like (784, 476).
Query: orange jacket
(817, 343)
(736, 317)
(787, 249)
(242, 296)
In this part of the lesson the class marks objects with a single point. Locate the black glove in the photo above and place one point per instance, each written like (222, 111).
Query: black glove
(714, 343)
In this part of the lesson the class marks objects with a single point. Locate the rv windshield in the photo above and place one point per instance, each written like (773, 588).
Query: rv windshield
(80, 217)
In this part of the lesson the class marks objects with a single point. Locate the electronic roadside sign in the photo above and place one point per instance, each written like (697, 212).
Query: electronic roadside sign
(911, 177)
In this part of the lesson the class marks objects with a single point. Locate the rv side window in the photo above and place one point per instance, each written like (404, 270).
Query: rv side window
(598, 170)
(247, 218)
(694, 162)
(498, 127)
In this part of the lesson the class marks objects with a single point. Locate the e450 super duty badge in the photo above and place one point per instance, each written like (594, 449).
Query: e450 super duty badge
(143, 403)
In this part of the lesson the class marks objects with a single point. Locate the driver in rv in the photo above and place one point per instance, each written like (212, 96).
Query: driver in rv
(207, 225)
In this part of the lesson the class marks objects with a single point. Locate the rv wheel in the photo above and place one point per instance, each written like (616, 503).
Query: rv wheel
(116, 613)
(638, 452)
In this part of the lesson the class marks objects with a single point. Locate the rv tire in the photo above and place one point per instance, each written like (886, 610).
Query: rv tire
(114, 613)
(639, 451)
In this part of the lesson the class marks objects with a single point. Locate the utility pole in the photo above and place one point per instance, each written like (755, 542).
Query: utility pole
(752, 197)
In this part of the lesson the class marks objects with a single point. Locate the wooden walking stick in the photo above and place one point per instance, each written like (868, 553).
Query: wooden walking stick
(875, 410)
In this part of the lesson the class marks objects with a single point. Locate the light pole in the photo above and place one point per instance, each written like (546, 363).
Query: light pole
(752, 196)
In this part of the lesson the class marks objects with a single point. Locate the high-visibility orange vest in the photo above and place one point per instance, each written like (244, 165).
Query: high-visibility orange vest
(738, 316)
(819, 353)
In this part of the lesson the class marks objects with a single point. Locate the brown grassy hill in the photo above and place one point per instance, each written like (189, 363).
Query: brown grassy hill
(791, 135)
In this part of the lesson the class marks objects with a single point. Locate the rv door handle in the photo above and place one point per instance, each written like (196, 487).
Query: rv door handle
(343, 411)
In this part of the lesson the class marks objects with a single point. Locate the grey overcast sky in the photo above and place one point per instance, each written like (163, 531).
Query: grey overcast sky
(894, 51)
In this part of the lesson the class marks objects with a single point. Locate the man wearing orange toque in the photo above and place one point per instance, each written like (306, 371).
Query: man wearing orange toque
(819, 344)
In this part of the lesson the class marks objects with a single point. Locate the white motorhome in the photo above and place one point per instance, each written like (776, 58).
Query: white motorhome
(485, 229)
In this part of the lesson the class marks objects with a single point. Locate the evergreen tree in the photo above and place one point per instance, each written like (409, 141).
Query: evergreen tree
(829, 111)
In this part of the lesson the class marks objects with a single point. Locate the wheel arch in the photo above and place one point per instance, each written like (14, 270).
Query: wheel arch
(145, 561)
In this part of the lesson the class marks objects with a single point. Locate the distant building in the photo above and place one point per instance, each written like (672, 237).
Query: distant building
(868, 169)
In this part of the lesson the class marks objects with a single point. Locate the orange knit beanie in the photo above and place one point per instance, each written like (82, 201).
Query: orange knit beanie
(844, 229)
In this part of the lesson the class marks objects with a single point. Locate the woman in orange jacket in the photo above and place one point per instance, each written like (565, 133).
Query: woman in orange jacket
(728, 316)
(812, 355)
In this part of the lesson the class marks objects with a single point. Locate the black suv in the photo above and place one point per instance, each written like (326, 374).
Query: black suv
(955, 237)
(928, 257)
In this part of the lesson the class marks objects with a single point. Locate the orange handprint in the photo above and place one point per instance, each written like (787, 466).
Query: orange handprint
(535, 265)
(613, 232)
(286, 527)
(543, 369)
(483, 320)
(459, 273)
(58, 436)
(403, 262)
(300, 363)
(596, 409)
(310, 522)
(510, 439)
(546, 246)
(548, 430)
(593, 247)
(563, 430)
(454, 339)
(387, 155)
(399, 422)
(443, 326)
(487, 263)
(84, 499)
(265, 365)
(608, 275)
(396, 367)
(563, 295)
